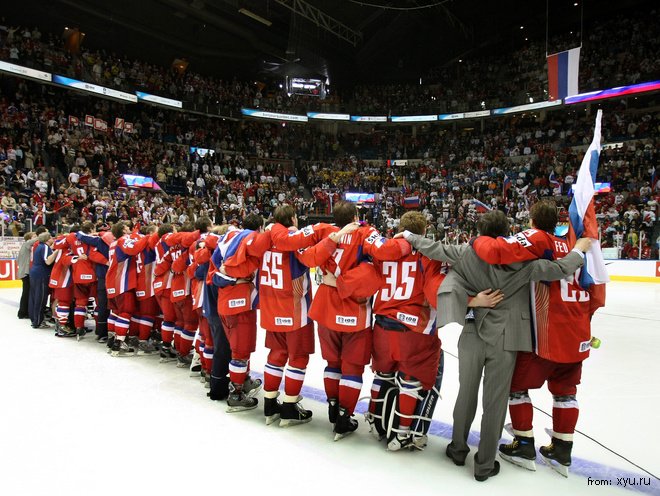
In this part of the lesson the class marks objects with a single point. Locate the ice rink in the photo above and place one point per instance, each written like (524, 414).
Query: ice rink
(75, 421)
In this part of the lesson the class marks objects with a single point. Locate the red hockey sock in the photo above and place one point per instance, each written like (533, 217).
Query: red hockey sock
(331, 377)
(177, 337)
(207, 357)
(144, 327)
(406, 408)
(273, 376)
(122, 324)
(62, 313)
(238, 370)
(293, 380)
(565, 412)
(521, 412)
(79, 315)
(349, 391)
(186, 339)
(167, 332)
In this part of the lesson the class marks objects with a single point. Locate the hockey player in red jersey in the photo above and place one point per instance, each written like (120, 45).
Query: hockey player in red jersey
(344, 323)
(147, 307)
(121, 281)
(61, 283)
(284, 300)
(407, 356)
(237, 309)
(84, 276)
(162, 287)
(562, 335)
(186, 319)
(197, 271)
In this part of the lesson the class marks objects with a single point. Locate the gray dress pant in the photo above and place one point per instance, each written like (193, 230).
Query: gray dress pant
(474, 357)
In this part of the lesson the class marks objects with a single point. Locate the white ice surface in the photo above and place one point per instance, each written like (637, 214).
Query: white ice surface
(74, 421)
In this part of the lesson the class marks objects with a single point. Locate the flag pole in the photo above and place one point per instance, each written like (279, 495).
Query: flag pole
(547, 17)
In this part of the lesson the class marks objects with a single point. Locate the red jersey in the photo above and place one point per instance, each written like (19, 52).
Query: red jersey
(180, 280)
(403, 296)
(83, 270)
(144, 263)
(329, 308)
(232, 298)
(199, 257)
(561, 313)
(60, 275)
(284, 281)
(122, 269)
(162, 275)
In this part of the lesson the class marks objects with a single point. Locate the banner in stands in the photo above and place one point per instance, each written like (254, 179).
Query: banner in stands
(8, 270)
(94, 88)
(450, 117)
(369, 118)
(273, 115)
(141, 182)
(25, 71)
(160, 100)
(9, 246)
(478, 113)
(414, 118)
(525, 108)
(613, 92)
(328, 117)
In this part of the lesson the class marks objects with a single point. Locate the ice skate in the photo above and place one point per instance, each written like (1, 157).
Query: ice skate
(520, 452)
(167, 354)
(345, 424)
(121, 348)
(293, 413)
(195, 365)
(333, 410)
(238, 401)
(183, 361)
(272, 410)
(251, 386)
(370, 419)
(558, 455)
(145, 348)
(80, 333)
(64, 331)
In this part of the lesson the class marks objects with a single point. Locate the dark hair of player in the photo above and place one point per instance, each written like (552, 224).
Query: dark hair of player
(493, 224)
(165, 229)
(344, 213)
(118, 229)
(415, 222)
(284, 215)
(253, 222)
(544, 215)
(203, 224)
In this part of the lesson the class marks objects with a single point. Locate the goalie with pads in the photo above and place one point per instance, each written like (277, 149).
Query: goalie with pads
(407, 355)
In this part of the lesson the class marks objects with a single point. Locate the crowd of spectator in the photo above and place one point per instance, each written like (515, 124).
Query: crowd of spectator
(621, 50)
(57, 171)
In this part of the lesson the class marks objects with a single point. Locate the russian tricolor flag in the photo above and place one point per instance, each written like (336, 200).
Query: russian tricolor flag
(411, 202)
(480, 207)
(563, 72)
(583, 223)
(506, 186)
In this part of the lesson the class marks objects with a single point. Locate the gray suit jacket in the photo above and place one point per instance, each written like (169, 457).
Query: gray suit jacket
(470, 275)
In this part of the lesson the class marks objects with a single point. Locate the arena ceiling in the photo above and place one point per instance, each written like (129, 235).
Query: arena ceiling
(348, 40)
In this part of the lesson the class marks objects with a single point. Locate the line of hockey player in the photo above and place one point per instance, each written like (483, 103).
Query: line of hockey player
(196, 290)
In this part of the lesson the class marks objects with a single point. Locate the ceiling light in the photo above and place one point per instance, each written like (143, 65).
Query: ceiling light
(254, 16)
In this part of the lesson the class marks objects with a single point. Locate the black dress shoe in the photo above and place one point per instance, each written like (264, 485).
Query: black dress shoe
(494, 471)
(457, 459)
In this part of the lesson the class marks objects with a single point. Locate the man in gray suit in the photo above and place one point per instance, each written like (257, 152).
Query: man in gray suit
(491, 337)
